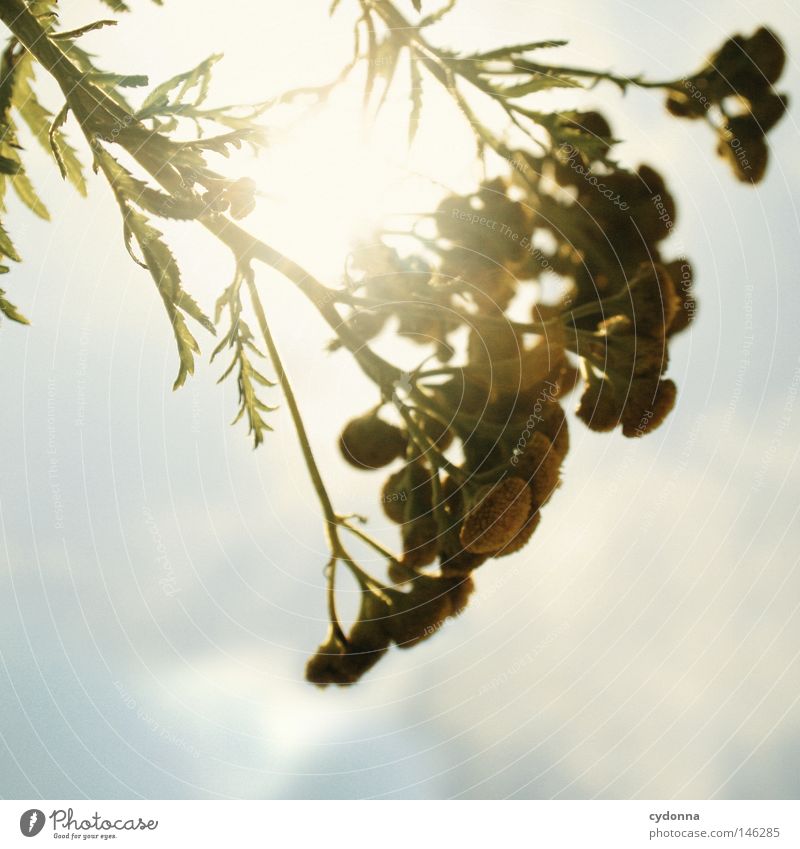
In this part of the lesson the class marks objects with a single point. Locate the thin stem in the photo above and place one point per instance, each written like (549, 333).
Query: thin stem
(521, 67)
(368, 539)
(424, 444)
(331, 520)
(91, 105)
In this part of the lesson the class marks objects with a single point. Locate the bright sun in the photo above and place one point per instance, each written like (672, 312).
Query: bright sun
(331, 178)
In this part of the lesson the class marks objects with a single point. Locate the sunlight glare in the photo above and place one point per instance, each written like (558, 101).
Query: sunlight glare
(333, 179)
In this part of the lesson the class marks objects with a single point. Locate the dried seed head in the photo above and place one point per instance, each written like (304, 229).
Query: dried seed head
(599, 408)
(628, 355)
(337, 663)
(648, 404)
(682, 274)
(394, 496)
(499, 512)
(459, 561)
(369, 442)
(742, 145)
(325, 665)
(522, 536)
(420, 613)
(682, 106)
(653, 300)
(420, 542)
(555, 428)
(766, 52)
(540, 465)
(438, 432)
(767, 109)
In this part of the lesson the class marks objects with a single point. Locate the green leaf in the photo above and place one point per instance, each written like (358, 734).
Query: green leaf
(159, 260)
(117, 5)
(435, 17)
(516, 50)
(256, 136)
(9, 166)
(198, 77)
(77, 33)
(7, 246)
(105, 79)
(149, 199)
(240, 338)
(163, 267)
(387, 58)
(27, 104)
(539, 82)
(10, 311)
(41, 123)
(66, 158)
(416, 100)
(27, 194)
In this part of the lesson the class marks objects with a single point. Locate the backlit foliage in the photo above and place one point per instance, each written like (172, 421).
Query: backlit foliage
(473, 439)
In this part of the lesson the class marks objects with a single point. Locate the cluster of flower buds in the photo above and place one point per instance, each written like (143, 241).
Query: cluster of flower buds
(624, 358)
(392, 284)
(403, 616)
(478, 449)
(741, 75)
(485, 244)
(604, 220)
(479, 442)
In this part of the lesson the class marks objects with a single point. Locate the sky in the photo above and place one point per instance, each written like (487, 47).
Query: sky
(161, 583)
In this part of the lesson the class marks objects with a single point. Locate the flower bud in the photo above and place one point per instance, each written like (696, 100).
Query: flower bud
(742, 145)
(523, 535)
(647, 406)
(420, 541)
(599, 408)
(539, 465)
(766, 52)
(394, 496)
(653, 302)
(768, 109)
(421, 612)
(680, 270)
(368, 442)
(499, 512)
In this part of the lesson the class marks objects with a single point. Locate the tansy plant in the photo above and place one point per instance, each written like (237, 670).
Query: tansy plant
(556, 217)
